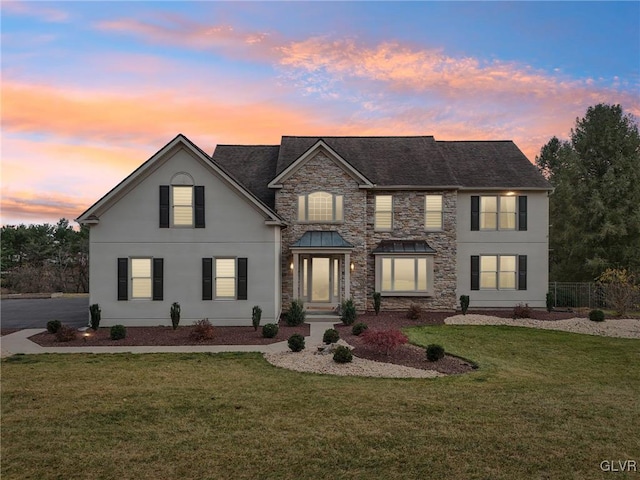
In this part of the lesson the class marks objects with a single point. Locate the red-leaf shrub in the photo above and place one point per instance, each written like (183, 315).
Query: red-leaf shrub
(384, 340)
(203, 330)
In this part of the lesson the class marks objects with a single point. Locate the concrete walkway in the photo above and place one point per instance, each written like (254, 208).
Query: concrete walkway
(19, 342)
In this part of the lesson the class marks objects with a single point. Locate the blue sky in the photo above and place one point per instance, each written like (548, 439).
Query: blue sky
(91, 89)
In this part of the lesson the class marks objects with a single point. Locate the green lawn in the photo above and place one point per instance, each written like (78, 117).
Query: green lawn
(542, 405)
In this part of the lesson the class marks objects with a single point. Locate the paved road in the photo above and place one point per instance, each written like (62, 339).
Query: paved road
(35, 313)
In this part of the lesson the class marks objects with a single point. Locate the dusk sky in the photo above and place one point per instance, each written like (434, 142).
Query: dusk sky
(90, 90)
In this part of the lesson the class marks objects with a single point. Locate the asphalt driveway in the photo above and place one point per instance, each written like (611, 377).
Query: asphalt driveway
(35, 313)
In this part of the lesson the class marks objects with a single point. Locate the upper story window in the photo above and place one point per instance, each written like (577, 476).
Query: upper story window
(433, 212)
(499, 212)
(383, 212)
(320, 207)
(182, 205)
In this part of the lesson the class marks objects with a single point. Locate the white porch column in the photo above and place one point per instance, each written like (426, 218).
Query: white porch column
(294, 272)
(347, 276)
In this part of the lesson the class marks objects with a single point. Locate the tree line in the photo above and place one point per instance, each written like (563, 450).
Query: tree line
(45, 258)
(594, 211)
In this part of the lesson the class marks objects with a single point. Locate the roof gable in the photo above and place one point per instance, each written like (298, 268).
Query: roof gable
(93, 213)
(318, 146)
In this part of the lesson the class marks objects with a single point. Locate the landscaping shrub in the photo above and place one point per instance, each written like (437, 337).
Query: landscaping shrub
(175, 314)
(330, 336)
(464, 303)
(65, 333)
(118, 332)
(95, 312)
(549, 300)
(619, 287)
(296, 342)
(203, 330)
(342, 354)
(358, 328)
(349, 313)
(53, 326)
(414, 312)
(435, 352)
(377, 301)
(270, 330)
(596, 316)
(384, 340)
(296, 314)
(522, 311)
(256, 315)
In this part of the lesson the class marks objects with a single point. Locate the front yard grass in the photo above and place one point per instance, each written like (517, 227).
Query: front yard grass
(543, 404)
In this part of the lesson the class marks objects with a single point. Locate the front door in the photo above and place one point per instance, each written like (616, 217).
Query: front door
(319, 279)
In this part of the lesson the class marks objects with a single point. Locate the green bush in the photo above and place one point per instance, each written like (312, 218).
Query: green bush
(549, 301)
(270, 330)
(342, 354)
(349, 313)
(118, 332)
(296, 342)
(66, 333)
(175, 314)
(596, 316)
(435, 352)
(330, 336)
(95, 312)
(358, 328)
(464, 303)
(296, 314)
(414, 312)
(53, 326)
(256, 315)
(377, 301)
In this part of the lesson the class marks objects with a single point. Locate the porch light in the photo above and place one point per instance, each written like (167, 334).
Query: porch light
(352, 266)
(291, 266)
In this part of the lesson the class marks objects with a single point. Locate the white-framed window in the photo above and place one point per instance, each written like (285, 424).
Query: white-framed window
(498, 272)
(320, 207)
(433, 218)
(182, 205)
(141, 278)
(404, 275)
(225, 278)
(498, 212)
(383, 212)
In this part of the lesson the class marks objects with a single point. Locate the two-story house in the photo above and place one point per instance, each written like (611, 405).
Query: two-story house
(320, 219)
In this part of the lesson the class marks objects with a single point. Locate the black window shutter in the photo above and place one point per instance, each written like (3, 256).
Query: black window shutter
(522, 272)
(158, 278)
(475, 272)
(242, 279)
(475, 212)
(164, 206)
(207, 279)
(522, 212)
(199, 201)
(123, 279)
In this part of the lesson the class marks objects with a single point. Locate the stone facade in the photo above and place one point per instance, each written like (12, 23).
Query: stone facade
(409, 224)
(322, 173)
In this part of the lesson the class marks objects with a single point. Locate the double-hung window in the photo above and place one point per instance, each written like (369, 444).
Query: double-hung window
(498, 272)
(433, 212)
(182, 206)
(140, 278)
(320, 207)
(499, 212)
(224, 278)
(383, 212)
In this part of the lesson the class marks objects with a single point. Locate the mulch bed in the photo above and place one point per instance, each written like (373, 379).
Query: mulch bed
(166, 336)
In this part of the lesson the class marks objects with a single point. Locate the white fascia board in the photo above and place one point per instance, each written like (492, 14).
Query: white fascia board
(320, 144)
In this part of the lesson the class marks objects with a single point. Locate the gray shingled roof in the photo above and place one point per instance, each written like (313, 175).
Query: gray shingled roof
(321, 239)
(491, 164)
(390, 161)
(251, 165)
(403, 246)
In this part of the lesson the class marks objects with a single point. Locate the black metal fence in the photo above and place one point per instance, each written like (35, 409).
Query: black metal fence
(586, 295)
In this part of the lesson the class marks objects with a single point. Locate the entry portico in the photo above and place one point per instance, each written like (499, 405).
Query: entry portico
(321, 267)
